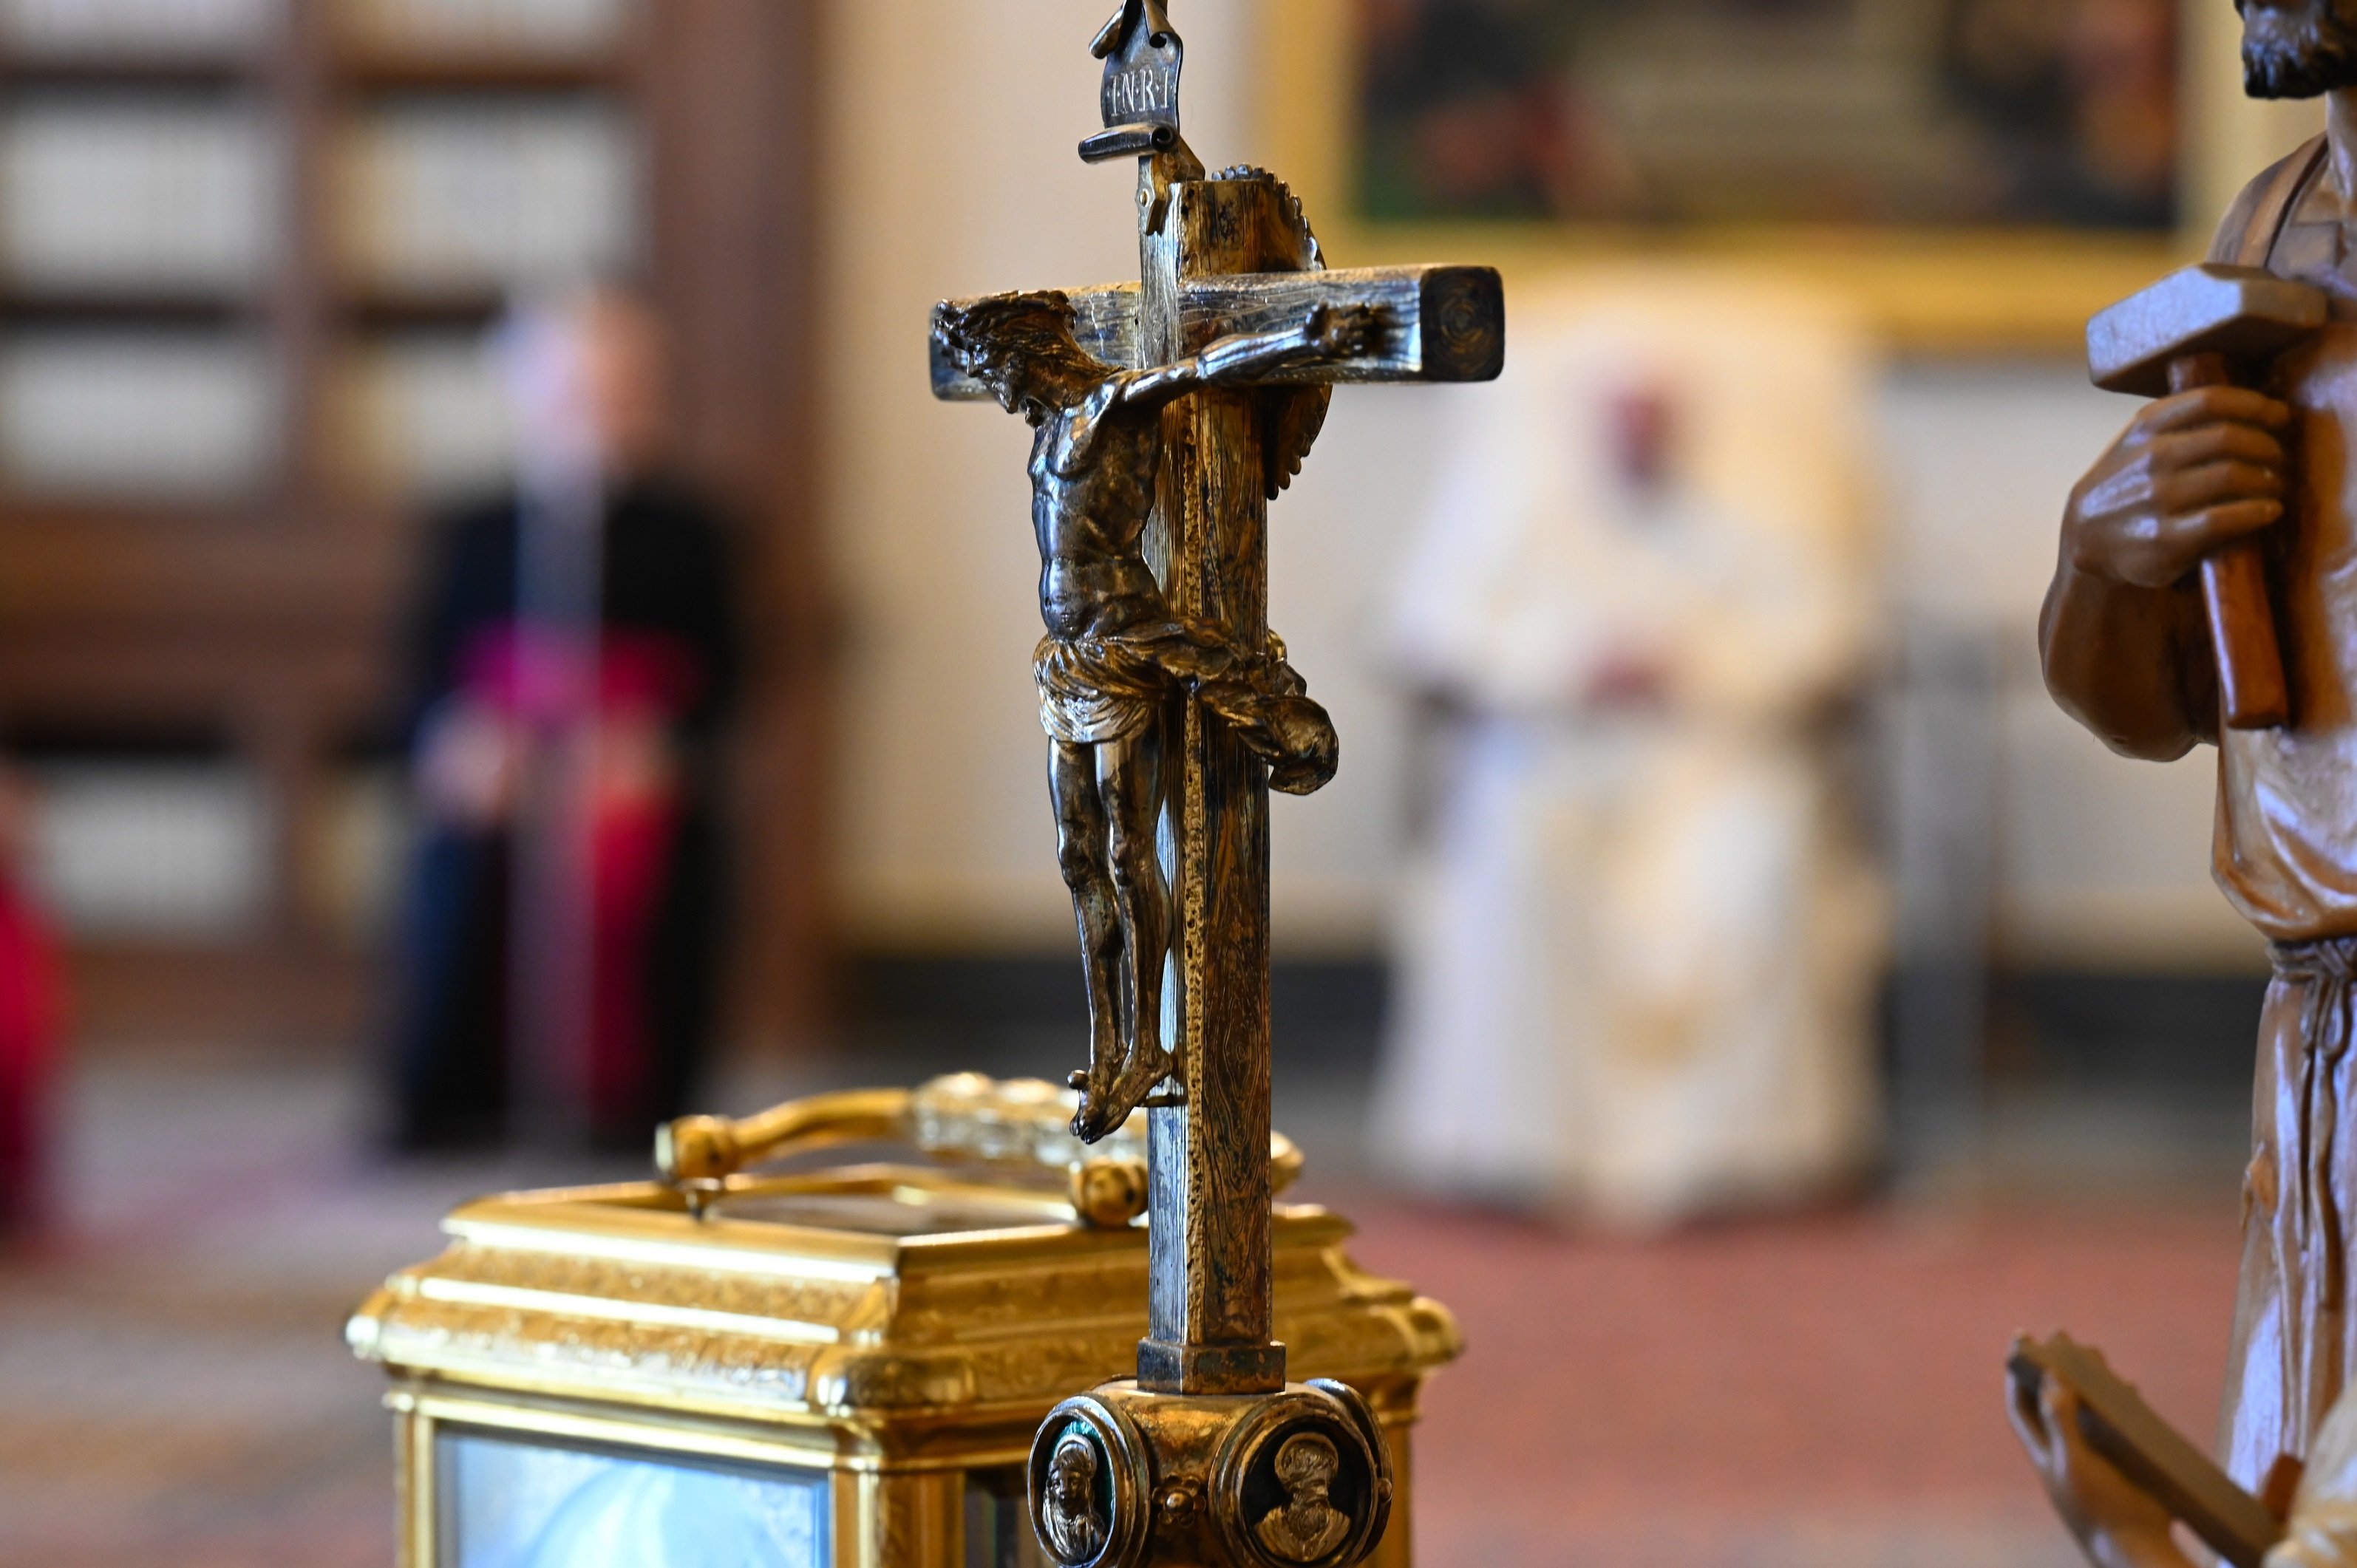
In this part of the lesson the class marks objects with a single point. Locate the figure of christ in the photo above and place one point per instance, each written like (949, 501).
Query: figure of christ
(1116, 652)
(2127, 651)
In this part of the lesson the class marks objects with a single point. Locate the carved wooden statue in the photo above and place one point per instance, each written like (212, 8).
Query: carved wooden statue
(2202, 596)
(1168, 414)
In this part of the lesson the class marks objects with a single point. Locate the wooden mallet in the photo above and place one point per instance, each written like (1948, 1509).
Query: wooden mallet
(2196, 328)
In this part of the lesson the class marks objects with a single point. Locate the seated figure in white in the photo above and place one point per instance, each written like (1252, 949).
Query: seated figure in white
(1638, 945)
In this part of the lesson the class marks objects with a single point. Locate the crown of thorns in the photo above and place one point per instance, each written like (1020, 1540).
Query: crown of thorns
(1008, 326)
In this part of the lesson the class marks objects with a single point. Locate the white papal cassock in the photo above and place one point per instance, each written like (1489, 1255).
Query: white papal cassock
(1638, 949)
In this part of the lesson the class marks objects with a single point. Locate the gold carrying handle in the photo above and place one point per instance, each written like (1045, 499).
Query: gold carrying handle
(965, 1116)
(714, 1148)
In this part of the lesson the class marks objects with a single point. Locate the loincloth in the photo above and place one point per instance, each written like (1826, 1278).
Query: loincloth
(1093, 690)
(1098, 689)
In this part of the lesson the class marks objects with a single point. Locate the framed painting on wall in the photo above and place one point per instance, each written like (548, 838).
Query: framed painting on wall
(1979, 173)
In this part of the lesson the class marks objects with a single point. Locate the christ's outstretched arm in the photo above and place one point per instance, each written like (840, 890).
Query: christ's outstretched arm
(1325, 334)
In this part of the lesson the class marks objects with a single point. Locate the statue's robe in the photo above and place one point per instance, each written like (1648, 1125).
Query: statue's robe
(2285, 855)
(1640, 946)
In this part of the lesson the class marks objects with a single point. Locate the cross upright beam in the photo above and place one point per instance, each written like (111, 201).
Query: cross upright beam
(1233, 255)
(1211, 1304)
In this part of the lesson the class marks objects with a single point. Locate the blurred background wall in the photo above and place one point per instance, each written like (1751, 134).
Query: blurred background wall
(945, 841)
(251, 252)
(195, 628)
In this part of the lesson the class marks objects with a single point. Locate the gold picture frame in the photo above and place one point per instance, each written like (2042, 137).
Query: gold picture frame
(1944, 290)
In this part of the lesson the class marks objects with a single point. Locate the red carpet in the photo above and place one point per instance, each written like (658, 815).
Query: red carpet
(1824, 1391)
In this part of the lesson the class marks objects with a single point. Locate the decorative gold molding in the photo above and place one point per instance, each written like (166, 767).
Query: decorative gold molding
(617, 1295)
(800, 1327)
(1929, 290)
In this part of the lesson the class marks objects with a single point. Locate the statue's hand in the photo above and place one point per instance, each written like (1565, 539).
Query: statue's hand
(2118, 1526)
(1343, 331)
(2191, 474)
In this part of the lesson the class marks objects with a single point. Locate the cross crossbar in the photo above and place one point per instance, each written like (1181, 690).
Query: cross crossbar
(1441, 323)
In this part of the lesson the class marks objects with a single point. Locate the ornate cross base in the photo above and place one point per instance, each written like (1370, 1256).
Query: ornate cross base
(1121, 1477)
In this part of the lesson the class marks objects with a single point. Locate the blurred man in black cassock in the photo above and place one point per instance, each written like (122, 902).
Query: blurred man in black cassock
(490, 690)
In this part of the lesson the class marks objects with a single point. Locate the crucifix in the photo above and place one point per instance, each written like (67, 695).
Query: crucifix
(1167, 414)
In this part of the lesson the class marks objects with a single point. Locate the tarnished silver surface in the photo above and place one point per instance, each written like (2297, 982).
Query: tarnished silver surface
(1116, 655)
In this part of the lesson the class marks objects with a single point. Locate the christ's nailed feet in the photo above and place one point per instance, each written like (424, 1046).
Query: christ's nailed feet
(1102, 1111)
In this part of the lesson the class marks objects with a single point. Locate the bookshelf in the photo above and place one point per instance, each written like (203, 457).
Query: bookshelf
(247, 248)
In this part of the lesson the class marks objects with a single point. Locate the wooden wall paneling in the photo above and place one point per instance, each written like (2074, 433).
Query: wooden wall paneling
(272, 621)
(731, 85)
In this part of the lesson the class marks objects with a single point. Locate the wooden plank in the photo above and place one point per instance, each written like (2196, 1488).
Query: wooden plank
(38, 305)
(2118, 1424)
(1446, 323)
(427, 70)
(132, 69)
